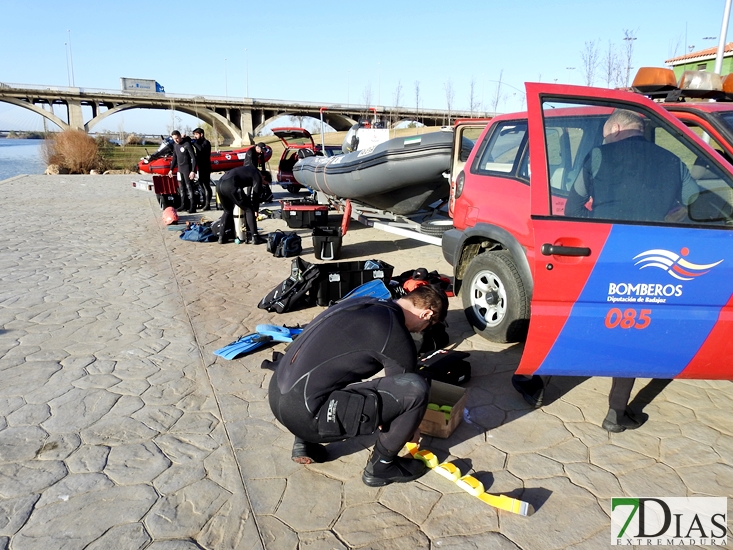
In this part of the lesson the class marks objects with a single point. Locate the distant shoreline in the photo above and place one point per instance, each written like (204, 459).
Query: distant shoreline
(22, 135)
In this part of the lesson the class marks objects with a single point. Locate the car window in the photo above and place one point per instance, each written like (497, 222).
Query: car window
(631, 165)
(502, 149)
(707, 138)
(565, 138)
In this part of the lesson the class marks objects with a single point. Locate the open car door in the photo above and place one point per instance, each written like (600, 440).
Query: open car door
(623, 294)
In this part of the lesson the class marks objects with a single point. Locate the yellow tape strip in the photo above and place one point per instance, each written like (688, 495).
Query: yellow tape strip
(469, 483)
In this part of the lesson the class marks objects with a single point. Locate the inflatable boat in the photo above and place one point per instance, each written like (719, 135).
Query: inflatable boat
(401, 175)
(221, 161)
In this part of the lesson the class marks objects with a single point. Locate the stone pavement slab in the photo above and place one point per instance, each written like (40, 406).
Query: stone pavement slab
(119, 428)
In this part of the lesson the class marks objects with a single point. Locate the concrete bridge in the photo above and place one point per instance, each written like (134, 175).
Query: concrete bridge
(232, 117)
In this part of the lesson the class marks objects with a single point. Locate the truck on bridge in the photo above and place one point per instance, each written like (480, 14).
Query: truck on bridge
(140, 85)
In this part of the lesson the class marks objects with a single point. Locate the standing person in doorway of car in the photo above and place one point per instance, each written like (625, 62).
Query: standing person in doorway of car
(184, 157)
(321, 389)
(237, 188)
(627, 178)
(202, 147)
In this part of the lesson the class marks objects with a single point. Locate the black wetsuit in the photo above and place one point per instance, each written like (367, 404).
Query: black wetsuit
(202, 148)
(184, 157)
(344, 345)
(252, 158)
(236, 188)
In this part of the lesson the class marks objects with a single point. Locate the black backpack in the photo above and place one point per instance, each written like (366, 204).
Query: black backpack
(295, 289)
(290, 245)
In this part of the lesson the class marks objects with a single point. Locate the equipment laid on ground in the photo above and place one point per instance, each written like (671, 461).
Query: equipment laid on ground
(263, 334)
(446, 366)
(469, 483)
(338, 279)
(295, 290)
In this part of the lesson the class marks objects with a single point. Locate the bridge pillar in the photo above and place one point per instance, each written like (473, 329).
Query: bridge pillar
(76, 117)
(245, 123)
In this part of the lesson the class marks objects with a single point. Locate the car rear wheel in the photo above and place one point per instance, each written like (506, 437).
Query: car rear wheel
(494, 298)
(293, 188)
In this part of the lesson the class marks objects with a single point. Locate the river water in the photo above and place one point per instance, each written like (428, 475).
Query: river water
(20, 156)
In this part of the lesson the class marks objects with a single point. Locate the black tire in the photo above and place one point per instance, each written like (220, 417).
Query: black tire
(293, 188)
(494, 298)
(436, 226)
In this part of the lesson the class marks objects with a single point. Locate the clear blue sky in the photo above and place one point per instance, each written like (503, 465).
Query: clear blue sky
(330, 51)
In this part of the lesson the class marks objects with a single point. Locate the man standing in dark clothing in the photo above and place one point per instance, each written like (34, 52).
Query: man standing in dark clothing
(319, 392)
(184, 158)
(202, 147)
(255, 156)
(237, 188)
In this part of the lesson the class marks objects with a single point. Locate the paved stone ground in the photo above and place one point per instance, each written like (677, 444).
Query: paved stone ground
(119, 428)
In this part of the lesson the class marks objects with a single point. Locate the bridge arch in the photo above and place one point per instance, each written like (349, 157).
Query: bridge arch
(43, 112)
(337, 121)
(203, 113)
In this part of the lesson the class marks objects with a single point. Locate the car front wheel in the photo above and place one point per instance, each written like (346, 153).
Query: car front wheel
(494, 298)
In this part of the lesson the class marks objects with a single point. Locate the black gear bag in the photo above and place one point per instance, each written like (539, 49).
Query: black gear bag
(294, 290)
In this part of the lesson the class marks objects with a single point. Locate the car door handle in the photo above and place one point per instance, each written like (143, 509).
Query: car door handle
(553, 250)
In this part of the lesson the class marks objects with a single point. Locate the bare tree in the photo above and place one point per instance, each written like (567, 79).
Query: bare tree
(629, 39)
(398, 95)
(449, 95)
(473, 103)
(366, 95)
(417, 99)
(611, 67)
(590, 57)
(497, 96)
(674, 46)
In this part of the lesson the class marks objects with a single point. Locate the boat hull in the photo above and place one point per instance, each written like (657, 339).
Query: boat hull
(221, 161)
(401, 175)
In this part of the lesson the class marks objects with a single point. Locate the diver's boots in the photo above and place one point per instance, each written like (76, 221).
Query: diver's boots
(619, 421)
(308, 453)
(257, 239)
(382, 469)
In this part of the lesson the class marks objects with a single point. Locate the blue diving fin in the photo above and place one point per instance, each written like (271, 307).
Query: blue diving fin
(243, 345)
(264, 334)
(372, 289)
(278, 333)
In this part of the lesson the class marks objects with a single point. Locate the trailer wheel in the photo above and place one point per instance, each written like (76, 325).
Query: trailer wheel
(494, 298)
(435, 226)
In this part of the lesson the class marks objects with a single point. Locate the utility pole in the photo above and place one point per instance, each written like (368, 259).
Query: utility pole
(721, 42)
(71, 57)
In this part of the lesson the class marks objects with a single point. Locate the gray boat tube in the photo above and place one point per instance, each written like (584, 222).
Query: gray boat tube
(401, 175)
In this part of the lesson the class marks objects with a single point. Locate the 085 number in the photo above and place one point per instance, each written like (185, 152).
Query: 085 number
(628, 318)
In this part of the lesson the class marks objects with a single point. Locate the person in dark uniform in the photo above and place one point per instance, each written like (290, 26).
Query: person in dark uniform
(237, 188)
(255, 156)
(319, 392)
(184, 157)
(202, 147)
(631, 179)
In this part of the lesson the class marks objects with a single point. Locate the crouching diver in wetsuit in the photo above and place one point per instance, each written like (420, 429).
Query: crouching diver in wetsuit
(318, 390)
